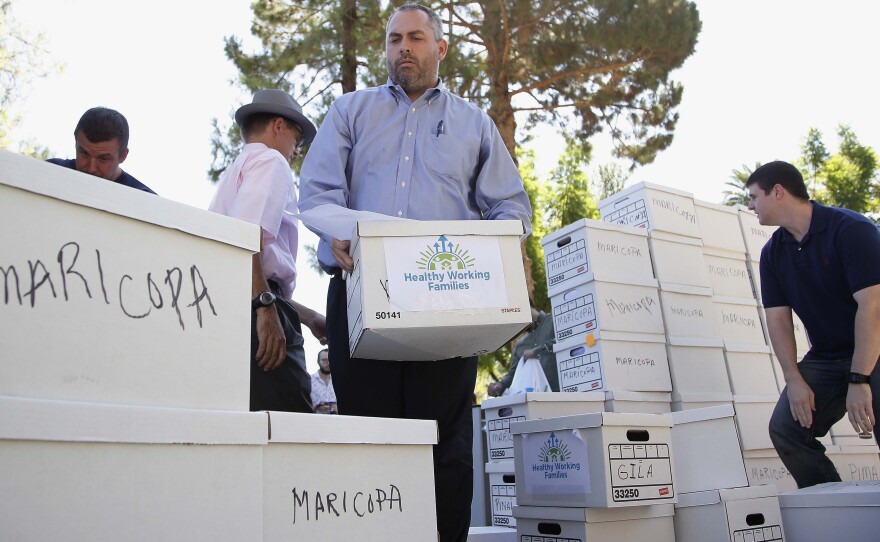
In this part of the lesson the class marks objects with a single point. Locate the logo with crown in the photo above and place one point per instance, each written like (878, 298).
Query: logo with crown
(444, 255)
(553, 450)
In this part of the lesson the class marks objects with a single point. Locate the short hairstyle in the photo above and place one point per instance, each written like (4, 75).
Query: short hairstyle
(256, 123)
(781, 173)
(101, 124)
(321, 352)
(435, 19)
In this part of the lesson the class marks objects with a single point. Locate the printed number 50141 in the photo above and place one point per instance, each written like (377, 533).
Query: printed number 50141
(382, 315)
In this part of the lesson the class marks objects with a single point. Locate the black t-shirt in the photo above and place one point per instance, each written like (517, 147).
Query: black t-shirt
(124, 179)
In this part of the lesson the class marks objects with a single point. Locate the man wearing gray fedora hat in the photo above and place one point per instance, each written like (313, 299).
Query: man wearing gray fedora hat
(258, 188)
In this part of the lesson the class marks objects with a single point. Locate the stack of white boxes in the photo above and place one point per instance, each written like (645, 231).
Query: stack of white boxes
(606, 315)
(601, 476)
(693, 341)
(124, 387)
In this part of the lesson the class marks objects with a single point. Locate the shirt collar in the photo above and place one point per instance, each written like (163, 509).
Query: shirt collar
(818, 223)
(429, 94)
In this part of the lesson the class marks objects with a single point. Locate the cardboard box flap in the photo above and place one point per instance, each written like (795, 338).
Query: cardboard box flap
(710, 342)
(834, 494)
(415, 228)
(674, 238)
(591, 224)
(715, 496)
(592, 515)
(500, 467)
(623, 336)
(68, 185)
(291, 427)
(625, 395)
(701, 397)
(591, 420)
(702, 414)
(685, 289)
(548, 397)
(47, 420)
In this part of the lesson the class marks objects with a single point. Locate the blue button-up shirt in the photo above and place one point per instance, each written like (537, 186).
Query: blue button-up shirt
(438, 158)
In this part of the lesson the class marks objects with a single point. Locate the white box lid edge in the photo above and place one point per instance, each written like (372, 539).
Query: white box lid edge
(592, 515)
(676, 288)
(660, 235)
(862, 493)
(297, 428)
(50, 420)
(548, 397)
(416, 228)
(715, 496)
(591, 224)
(620, 336)
(591, 420)
(703, 342)
(505, 466)
(702, 414)
(626, 395)
(701, 397)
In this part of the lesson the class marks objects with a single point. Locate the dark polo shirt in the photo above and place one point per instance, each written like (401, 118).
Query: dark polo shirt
(124, 179)
(817, 277)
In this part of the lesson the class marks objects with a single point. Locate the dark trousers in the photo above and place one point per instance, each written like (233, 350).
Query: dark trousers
(802, 454)
(287, 388)
(425, 390)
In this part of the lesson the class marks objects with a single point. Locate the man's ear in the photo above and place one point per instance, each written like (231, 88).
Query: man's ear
(123, 155)
(443, 46)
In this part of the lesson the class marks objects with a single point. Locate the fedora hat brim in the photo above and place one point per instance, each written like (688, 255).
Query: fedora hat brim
(281, 110)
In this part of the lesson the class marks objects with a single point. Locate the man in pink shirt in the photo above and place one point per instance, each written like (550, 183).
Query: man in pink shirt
(258, 188)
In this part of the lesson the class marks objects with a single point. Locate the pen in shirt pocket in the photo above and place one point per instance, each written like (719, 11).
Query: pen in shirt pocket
(440, 128)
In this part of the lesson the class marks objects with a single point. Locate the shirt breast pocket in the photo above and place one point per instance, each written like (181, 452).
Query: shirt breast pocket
(445, 156)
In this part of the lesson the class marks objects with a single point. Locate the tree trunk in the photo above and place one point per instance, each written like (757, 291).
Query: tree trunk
(349, 46)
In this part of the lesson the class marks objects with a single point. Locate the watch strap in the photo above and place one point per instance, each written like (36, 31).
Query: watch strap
(858, 378)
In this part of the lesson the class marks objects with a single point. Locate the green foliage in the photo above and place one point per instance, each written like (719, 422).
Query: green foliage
(812, 160)
(571, 196)
(738, 193)
(610, 180)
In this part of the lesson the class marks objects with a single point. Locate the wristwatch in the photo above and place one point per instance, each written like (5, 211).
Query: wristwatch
(263, 300)
(858, 378)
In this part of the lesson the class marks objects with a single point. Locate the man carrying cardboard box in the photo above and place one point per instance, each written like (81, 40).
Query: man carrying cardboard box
(823, 263)
(258, 188)
(411, 149)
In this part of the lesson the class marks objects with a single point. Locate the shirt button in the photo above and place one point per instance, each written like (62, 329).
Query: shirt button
(413, 109)
(406, 158)
(399, 213)
(403, 184)
(409, 134)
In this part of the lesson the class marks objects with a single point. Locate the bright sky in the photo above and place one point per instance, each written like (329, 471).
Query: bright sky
(764, 72)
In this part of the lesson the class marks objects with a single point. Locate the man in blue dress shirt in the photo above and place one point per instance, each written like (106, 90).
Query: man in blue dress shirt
(101, 146)
(411, 149)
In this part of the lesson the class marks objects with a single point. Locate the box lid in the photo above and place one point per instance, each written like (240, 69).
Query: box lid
(605, 276)
(500, 467)
(600, 334)
(685, 289)
(715, 206)
(414, 228)
(702, 414)
(647, 396)
(591, 224)
(715, 496)
(742, 348)
(293, 427)
(591, 420)
(701, 397)
(724, 253)
(47, 179)
(674, 238)
(705, 342)
(644, 184)
(755, 399)
(592, 515)
(730, 300)
(49, 420)
(543, 397)
(861, 493)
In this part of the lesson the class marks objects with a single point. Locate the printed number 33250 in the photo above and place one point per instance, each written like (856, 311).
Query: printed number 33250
(382, 315)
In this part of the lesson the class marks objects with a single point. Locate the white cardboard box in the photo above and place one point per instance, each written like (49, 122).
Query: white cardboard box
(602, 460)
(707, 454)
(740, 514)
(752, 418)
(606, 304)
(739, 323)
(847, 511)
(637, 402)
(653, 207)
(855, 463)
(500, 412)
(691, 401)
(719, 226)
(754, 234)
(435, 289)
(577, 250)
(696, 368)
(751, 373)
(491, 534)
(619, 361)
(556, 524)
(146, 299)
(688, 313)
(728, 274)
(763, 467)
(88, 471)
(502, 492)
(331, 478)
(678, 259)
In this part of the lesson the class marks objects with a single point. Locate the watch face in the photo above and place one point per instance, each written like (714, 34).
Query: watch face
(267, 298)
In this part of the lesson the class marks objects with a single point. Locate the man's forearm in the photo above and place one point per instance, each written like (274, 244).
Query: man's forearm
(867, 337)
(780, 327)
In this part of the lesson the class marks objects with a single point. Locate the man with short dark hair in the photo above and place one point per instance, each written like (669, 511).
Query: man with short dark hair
(823, 263)
(410, 148)
(323, 396)
(258, 188)
(101, 146)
